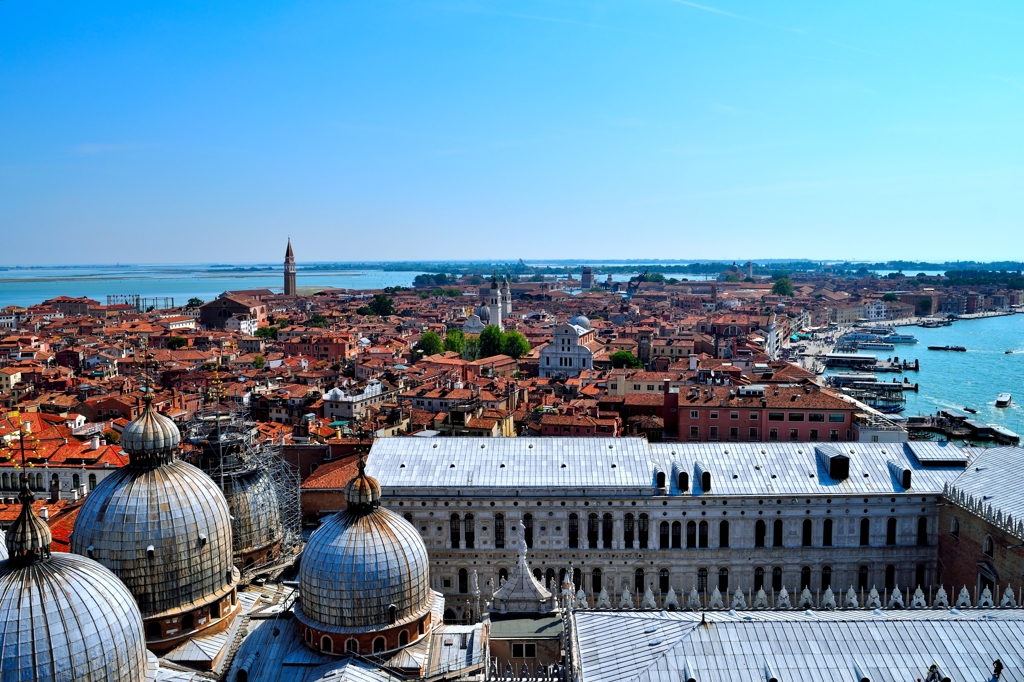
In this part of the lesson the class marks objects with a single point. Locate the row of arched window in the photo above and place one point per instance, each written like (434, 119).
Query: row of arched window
(12, 481)
(352, 644)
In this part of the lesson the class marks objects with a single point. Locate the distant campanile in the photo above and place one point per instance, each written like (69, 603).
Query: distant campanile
(289, 270)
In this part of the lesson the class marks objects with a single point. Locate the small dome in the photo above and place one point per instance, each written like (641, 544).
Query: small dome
(68, 618)
(164, 531)
(580, 321)
(150, 438)
(365, 569)
(252, 501)
(3, 551)
(29, 537)
(484, 313)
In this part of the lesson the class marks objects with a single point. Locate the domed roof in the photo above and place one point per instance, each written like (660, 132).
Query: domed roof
(150, 438)
(62, 616)
(484, 313)
(580, 321)
(360, 563)
(3, 548)
(164, 531)
(252, 501)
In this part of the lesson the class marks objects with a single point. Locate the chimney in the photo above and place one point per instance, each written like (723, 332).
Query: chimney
(44, 513)
(693, 362)
(94, 443)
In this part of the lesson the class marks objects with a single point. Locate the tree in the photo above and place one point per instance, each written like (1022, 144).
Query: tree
(258, 361)
(625, 359)
(364, 310)
(925, 306)
(318, 321)
(783, 287)
(455, 341)
(176, 342)
(890, 297)
(112, 437)
(194, 302)
(266, 333)
(515, 345)
(656, 277)
(732, 277)
(430, 344)
(492, 341)
(382, 305)
(471, 349)
(282, 322)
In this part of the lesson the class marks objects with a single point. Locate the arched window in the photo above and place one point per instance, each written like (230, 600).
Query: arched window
(352, 645)
(777, 533)
(92, 482)
(890, 532)
(683, 481)
(705, 481)
(702, 580)
(215, 610)
(528, 530)
(954, 527)
(805, 577)
(326, 645)
(862, 578)
(805, 537)
(39, 481)
(538, 575)
(627, 532)
(759, 533)
(865, 532)
(677, 535)
(663, 541)
(55, 481)
(826, 577)
(642, 528)
(607, 531)
(826, 533)
(702, 534)
(188, 622)
(549, 579)
(723, 580)
(379, 645)
(499, 531)
(691, 535)
(392, 614)
(890, 577)
(638, 581)
(153, 631)
(659, 479)
(922, 531)
(463, 581)
(595, 580)
(308, 636)
(403, 638)
(449, 617)
(663, 581)
(723, 534)
(592, 531)
(502, 576)
(455, 535)
(776, 578)
(408, 517)
(76, 482)
(574, 531)
(470, 532)
(989, 546)
(758, 578)
(919, 575)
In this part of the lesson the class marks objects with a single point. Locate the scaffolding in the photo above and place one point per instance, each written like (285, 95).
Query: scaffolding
(226, 444)
(141, 304)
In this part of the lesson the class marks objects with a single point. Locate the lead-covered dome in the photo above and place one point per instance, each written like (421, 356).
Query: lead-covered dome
(252, 501)
(150, 436)
(484, 313)
(365, 569)
(580, 321)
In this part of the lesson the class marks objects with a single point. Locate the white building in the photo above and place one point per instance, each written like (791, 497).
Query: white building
(497, 308)
(243, 324)
(572, 349)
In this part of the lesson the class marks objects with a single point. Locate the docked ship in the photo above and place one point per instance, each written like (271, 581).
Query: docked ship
(958, 349)
(900, 338)
(875, 345)
(1004, 400)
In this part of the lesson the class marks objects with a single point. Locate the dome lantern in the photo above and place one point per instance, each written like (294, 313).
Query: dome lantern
(362, 493)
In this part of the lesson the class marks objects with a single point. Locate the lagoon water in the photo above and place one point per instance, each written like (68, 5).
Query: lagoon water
(972, 379)
(33, 285)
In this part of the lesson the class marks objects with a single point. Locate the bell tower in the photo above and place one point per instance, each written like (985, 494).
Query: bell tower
(289, 270)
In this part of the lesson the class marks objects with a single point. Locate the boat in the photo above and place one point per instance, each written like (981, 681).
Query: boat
(971, 410)
(958, 349)
(900, 338)
(1010, 352)
(875, 345)
(1003, 400)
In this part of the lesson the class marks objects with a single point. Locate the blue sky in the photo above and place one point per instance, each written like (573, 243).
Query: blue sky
(198, 131)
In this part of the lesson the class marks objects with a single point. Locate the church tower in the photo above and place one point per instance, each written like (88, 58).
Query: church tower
(289, 270)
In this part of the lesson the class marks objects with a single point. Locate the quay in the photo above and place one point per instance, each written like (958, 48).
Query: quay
(957, 425)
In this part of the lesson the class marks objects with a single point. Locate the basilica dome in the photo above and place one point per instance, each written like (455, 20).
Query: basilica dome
(365, 570)
(63, 616)
(484, 313)
(162, 526)
(580, 321)
(252, 501)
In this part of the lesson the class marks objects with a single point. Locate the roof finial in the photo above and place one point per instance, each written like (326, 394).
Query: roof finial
(28, 539)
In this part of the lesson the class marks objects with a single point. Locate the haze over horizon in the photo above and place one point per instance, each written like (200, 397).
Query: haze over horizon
(178, 132)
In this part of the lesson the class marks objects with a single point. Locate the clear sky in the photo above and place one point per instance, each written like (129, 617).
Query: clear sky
(209, 131)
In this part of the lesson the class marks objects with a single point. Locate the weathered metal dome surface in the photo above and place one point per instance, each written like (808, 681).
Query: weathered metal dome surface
(164, 531)
(150, 436)
(253, 503)
(359, 564)
(3, 549)
(483, 312)
(67, 618)
(580, 321)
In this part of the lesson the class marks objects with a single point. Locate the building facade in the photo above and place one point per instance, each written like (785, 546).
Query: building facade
(571, 351)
